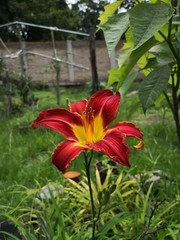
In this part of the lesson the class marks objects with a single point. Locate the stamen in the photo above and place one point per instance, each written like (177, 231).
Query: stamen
(88, 119)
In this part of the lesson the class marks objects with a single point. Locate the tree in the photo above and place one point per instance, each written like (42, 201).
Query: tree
(153, 43)
(50, 13)
(88, 12)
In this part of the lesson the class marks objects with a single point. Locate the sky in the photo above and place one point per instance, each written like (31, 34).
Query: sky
(74, 1)
(71, 1)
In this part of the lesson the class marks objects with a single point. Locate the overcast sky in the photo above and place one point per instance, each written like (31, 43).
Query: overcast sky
(74, 1)
(71, 1)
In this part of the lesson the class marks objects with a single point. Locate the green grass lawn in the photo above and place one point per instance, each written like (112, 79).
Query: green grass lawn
(26, 153)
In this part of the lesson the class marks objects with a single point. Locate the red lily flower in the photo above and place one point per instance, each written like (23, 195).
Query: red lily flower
(85, 127)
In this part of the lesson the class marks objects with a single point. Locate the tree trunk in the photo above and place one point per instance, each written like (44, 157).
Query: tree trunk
(92, 47)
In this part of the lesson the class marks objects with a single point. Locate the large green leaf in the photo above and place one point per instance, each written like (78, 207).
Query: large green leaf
(161, 49)
(109, 10)
(114, 74)
(159, 61)
(146, 19)
(165, 60)
(128, 83)
(114, 28)
(129, 42)
(176, 20)
(164, 30)
(177, 34)
(122, 73)
(163, 53)
(151, 63)
(123, 56)
(153, 85)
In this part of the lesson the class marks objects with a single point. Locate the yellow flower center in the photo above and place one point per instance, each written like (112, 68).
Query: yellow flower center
(92, 130)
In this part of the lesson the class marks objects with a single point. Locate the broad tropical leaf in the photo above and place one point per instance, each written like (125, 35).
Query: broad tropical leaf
(123, 56)
(128, 83)
(114, 75)
(109, 10)
(178, 37)
(153, 85)
(114, 28)
(161, 49)
(146, 19)
(122, 73)
(176, 20)
(164, 31)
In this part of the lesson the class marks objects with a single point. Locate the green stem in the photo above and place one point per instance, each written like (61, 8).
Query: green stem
(169, 102)
(175, 86)
(88, 158)
(176, 107)
(169, 28)
(98, 214)
(170, 45)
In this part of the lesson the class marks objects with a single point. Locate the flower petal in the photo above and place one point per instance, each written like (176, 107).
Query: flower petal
(60, 120)
(65, 153)
(78, 107)
(130, 130)
(114, 147)
(104, 103)
(139, 146)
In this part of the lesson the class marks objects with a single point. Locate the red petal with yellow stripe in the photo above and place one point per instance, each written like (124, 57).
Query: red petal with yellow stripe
(130, 130)
(104, 103)
(65, 153)
(78, 107)
(60, 120)
(113, 145)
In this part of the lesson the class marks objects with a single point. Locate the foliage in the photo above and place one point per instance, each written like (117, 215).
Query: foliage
(12, 84)
(131, 212)
(53, 13)
(136, 208)
(80, 16)
(88, 12)
(152, 43)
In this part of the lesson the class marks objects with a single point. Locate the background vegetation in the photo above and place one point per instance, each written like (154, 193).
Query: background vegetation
(80, 16)
(141, 202)
(144, 204)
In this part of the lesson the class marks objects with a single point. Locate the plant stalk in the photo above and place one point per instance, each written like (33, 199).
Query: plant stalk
(88, 158)
(175, 86)
(176, 107)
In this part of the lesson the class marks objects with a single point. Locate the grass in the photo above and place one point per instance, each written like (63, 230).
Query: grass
(26, 153)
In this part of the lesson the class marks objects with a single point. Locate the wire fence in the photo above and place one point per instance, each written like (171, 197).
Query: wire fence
(39, 60)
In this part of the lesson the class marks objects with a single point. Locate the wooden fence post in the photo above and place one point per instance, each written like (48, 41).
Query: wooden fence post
(23, 58)
(70, 59)
(9, 94)
(57, 68)
(113, 59)
(92, 47)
